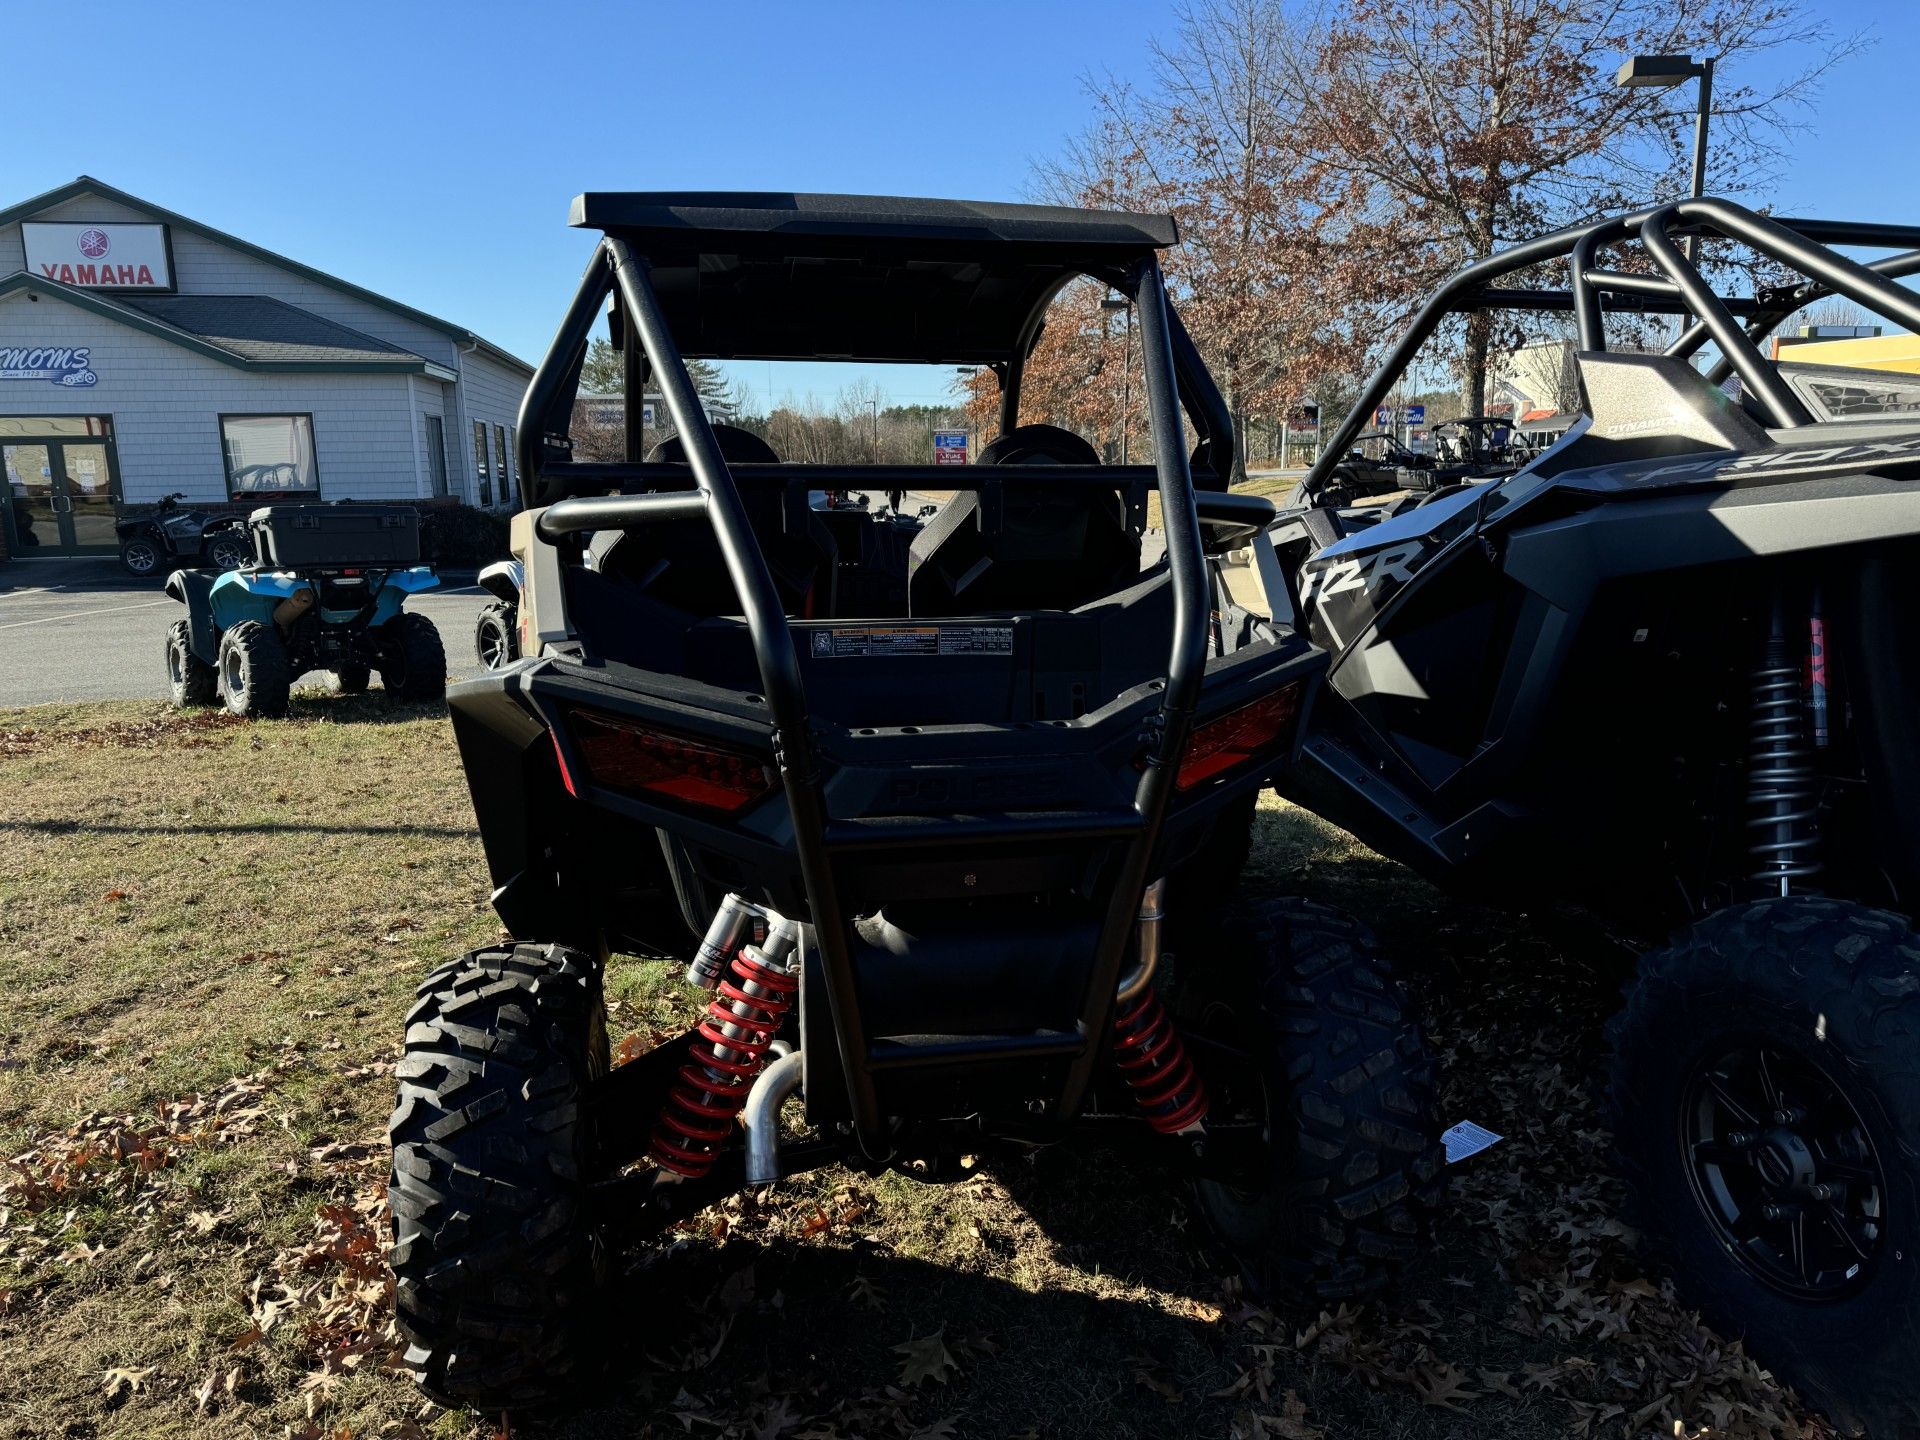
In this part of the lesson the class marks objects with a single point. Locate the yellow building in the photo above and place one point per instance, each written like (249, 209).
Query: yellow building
(1899, 353)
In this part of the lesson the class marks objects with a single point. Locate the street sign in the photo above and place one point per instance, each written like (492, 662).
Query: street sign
(1416, 414)
(1383, 417)
(949, 447)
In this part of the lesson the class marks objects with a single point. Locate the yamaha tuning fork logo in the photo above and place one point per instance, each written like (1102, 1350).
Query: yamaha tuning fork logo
(95, 243)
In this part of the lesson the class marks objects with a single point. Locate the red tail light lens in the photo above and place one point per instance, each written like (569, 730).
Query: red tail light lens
(1239, 736)
(624, 755)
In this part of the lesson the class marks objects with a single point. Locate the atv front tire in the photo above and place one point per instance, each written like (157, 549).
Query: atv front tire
(495, 639)
(1345, 1189)
(140, 557)
(498, 1264)
(413, 664)
(255, 674)
(1766, 1096)
(190, 680)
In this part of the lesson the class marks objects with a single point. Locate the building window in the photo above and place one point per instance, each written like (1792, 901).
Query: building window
(94, 427)
(480, 470)
(437, 455)
(503, 464)
(269, 456)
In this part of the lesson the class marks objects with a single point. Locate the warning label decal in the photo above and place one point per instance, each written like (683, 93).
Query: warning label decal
(866, 640)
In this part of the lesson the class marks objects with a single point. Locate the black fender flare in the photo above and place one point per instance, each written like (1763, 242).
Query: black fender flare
(193, 589)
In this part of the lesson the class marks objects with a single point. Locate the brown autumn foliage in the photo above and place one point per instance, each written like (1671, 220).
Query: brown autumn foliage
(1330, 164)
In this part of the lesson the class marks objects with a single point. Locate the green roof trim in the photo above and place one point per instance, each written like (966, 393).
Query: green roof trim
(407, 364)
(87, 185)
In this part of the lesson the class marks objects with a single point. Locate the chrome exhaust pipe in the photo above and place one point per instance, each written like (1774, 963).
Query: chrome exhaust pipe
(1148, 931)
(762, 1116)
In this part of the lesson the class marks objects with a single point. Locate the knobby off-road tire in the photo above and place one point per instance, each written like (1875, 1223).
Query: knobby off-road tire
(1811, 983)
(190, 680)
(255, 675)
(413, 663)
(1354, 1170)
(498, 1265)
(496, 640)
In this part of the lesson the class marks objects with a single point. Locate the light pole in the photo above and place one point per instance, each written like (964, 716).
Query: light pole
(1663, 72)
(1111, 303)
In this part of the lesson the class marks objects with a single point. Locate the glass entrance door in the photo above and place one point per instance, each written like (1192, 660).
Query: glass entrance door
(62, 495)
(29, 470)
(88, 513)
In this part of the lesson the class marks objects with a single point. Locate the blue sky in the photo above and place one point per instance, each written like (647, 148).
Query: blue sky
(429, 151)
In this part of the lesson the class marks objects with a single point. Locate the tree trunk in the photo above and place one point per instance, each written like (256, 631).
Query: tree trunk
(1479, 341)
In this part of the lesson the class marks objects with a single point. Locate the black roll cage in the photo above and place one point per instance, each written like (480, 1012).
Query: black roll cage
(707, 486)
(1679, 289)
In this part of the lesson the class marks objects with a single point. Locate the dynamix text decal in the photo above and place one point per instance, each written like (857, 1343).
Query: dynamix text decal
(61, 365)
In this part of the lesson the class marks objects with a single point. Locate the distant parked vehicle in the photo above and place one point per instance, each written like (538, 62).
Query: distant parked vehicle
(496, 635)
(327, 595)
(171, 537)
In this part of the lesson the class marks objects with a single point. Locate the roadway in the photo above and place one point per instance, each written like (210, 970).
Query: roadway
(84, 630)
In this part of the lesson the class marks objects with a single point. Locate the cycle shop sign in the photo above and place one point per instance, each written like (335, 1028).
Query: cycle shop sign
(68, 365)
(102, 255)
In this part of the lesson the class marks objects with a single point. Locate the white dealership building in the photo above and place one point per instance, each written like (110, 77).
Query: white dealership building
(144, 353)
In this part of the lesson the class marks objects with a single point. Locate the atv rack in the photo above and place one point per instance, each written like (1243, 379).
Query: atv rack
(708, 487)
(1677, 289)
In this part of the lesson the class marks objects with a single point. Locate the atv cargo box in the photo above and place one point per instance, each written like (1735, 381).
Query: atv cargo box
(292, 536)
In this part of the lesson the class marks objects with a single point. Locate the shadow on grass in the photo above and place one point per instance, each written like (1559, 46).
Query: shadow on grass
(313, 701)
(294, 827)
(1118, 1325)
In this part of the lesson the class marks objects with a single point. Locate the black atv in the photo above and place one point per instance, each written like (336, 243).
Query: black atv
(931, 820)
(1667, 674)
(168, 538)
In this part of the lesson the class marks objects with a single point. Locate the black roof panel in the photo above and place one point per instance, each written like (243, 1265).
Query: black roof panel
(936, 223)
(863, 277)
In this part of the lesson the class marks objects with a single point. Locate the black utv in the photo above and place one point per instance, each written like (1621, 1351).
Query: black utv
(1668, 675)
(930, 808)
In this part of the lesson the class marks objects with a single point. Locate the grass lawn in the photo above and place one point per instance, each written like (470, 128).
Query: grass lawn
(212, 929)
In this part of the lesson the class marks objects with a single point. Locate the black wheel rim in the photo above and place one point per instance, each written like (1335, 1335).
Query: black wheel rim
(229, 556)
(493, 644)
(1784, 1171)
(141, 558)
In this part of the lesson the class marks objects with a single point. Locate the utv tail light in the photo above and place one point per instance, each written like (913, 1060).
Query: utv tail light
(636, 759)
(1239, 736)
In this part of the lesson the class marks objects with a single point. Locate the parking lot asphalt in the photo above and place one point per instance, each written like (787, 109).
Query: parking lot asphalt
(85, 630)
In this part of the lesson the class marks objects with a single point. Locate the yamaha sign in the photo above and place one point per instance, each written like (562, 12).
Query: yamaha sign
(99, 255)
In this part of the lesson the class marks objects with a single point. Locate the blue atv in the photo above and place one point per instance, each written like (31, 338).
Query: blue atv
(326, 594)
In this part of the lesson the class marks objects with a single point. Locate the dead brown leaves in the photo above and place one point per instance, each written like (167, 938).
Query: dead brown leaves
(115, 1156)
(168, 729)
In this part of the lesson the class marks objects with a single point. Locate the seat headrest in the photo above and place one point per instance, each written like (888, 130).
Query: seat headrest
(737, 446)
(1038, 445)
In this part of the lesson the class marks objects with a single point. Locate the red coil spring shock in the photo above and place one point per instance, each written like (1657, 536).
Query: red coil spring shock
(740, 1024)
(1154, 1062)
